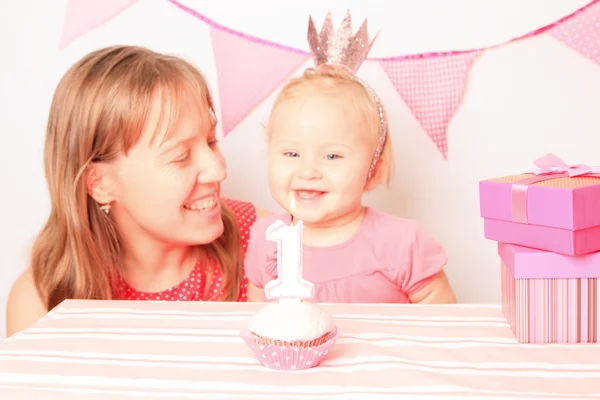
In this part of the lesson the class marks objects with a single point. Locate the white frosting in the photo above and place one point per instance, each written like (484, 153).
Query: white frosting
(289, 321)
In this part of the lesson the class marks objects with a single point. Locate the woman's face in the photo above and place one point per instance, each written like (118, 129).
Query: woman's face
(167, 186)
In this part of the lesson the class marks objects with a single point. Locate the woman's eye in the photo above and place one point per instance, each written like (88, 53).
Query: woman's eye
(332, 157)
(291, 154)
(213, 143)
(183, 157)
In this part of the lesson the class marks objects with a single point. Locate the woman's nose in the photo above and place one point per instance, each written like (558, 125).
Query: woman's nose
(211, 167)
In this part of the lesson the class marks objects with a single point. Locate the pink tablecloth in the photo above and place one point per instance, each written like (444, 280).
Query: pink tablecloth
(172, 350)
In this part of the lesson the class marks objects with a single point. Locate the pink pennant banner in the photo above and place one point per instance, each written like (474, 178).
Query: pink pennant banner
(248, 71)
(83, 16)
(432, 87)
(582, 32)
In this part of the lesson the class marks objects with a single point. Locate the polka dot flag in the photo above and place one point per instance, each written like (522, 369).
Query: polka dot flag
(582, 32)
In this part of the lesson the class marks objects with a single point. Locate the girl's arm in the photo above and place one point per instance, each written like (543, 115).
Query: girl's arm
(436, 291)
(262, 213)
(255, 294)
(24, 305)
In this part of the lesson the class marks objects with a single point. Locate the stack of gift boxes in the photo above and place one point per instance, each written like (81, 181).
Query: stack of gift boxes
(547, 225)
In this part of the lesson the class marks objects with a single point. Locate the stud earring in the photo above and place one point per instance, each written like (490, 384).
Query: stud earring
(105, 208)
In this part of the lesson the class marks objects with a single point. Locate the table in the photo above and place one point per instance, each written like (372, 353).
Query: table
(190, 350)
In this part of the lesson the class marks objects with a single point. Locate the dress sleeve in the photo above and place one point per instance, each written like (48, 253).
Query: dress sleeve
(412, 255)
(424, 258)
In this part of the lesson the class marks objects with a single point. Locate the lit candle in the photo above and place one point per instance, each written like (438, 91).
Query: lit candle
(289, 283)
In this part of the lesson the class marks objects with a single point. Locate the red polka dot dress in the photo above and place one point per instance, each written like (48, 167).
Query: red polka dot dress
(194, 287)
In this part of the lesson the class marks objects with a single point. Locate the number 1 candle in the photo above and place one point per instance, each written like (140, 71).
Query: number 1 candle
(290, 283)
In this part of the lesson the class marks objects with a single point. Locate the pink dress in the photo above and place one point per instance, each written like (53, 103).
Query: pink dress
(195, 287)
(386, 260)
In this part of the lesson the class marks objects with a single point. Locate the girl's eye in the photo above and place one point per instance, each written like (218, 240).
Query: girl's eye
(332, 157)
(291, 154)
(213, 143)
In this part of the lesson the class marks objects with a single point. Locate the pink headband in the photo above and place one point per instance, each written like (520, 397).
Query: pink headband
(343, 48)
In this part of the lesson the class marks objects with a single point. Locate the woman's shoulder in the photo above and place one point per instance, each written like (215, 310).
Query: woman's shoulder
(243, 211)
(237, 205)
(24, 305)
(246, 209)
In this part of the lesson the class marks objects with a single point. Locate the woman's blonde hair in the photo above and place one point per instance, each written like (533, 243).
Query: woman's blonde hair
(98, 112)
(337, 80)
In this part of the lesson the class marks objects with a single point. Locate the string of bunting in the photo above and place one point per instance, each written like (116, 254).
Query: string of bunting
(432, 85)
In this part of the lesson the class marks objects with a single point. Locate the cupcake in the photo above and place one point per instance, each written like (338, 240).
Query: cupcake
(291, 335)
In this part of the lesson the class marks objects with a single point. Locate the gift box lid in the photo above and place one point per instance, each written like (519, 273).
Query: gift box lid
(553, 194)
(527, 263)
(571, 203)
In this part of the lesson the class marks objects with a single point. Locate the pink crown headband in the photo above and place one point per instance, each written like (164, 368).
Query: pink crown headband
(343, 48)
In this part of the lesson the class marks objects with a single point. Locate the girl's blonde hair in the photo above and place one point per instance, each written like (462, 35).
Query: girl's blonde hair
(98, 112)
(337, 80)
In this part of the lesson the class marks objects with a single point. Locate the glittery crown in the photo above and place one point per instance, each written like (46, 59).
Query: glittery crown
(341, 47)
(348, 50)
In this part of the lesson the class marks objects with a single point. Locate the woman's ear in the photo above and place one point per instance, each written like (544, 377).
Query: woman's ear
(100, 186)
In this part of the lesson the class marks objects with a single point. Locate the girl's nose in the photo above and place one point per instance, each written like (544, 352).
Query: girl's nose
(310, 172)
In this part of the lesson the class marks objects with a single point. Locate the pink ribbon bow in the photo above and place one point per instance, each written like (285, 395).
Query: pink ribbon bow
(551, 164)
(546, 167)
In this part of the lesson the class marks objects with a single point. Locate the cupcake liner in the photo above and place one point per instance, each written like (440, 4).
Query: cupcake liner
(290, 356)
(265, 341)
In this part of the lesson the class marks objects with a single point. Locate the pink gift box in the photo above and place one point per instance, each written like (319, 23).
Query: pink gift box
(549, 297)
(557, 208)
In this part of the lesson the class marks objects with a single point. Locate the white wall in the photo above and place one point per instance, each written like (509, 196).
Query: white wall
(523, 100)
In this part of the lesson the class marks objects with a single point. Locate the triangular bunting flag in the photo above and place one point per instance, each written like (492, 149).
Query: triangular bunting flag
(432, 88)
(83, 16)
(581, 32)
(248, 71)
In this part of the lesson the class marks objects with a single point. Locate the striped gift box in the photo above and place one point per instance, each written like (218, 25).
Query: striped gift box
(549, 297)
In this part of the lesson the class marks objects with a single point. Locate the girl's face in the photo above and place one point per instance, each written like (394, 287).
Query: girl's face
(320, 155)
(167, 187)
